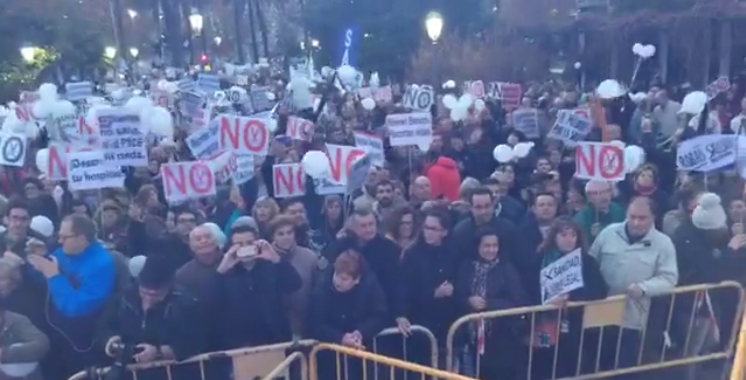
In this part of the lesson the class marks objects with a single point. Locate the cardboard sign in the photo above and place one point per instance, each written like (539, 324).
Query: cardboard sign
(187, 180)
(88, 171)
(410, 129)
(88, 134)
(288, 180)
(224, 166)
(526, 120)
(599, 161)
(561, 276)
(12, 149)
(56, 165)
(571, 126)
(419, 98)
(299, 128)
(373, 145)
(243, 134)
(709, 152)
(358, 172)
(205, 142)
(122, 140)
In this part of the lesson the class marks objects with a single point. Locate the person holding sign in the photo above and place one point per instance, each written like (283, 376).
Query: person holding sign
(639, 261)
(487, 283)
(600, 211)
(580, 281)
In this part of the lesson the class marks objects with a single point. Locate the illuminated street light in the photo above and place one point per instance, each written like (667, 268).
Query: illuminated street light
(196, 22)
(315, 43)
(110, 52)
(218, 40)
(28, 53)
(434, 26)
(132, 13)
(134, 52)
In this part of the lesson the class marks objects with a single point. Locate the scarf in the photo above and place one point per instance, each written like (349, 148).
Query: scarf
(645, 190)
(479, 288)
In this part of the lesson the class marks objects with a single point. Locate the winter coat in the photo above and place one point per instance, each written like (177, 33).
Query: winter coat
(445, 179)
(588, 216)
(146, 242)
(463, 237)
(21, 343)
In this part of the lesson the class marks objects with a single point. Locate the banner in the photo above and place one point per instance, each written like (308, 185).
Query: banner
(419, 98)
(77, 91)
(122, 140)
(526, 120)
(571, 126)
(87, 171)
(561, 276)
(709, 152)
(348, 46)
(410, 129)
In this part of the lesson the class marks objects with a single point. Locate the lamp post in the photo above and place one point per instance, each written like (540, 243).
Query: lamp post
(110, 52)
(134, 52)
(196, 22)
(132, 13)
(28, 53)
(434, 26)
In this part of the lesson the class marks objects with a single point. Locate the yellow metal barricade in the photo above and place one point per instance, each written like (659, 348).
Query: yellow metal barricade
(739, 363)
(285, 368)
(415, 330)
(343, 356)
(246, 363)
(538, 332)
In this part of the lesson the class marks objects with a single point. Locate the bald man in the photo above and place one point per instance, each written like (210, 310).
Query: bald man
(420, 191)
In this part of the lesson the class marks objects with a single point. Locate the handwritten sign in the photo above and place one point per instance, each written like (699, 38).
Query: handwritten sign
(708, 152)
(571, 126)
(561, 276)
(410, 129)
(526, 120)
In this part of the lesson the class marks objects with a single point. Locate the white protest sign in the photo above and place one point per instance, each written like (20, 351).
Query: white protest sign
(561, 276)
(708, 152)
(571, 126)
(410, 129)
(224, 165)
(599, 161)
(243, 134)
(373, 145)
(12, 149)
(419, 98)
(245, 172)
(358, 172)
(87, 171)
(288, 180)
(299, 128)
(341, 158)
(526, 120)
(56, 165)
(122, 140)
(205, 142)
(187, 180)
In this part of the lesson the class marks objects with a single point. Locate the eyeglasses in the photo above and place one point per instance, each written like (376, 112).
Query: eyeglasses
(65, 237)
(432, 228)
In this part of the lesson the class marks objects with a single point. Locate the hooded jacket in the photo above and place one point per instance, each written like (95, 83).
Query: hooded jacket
(445, 179)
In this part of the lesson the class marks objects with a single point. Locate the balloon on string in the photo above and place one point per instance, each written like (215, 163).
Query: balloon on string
(458, 114)
(48, 92)
(610, 89)
(347, 75)
(326, 71)
(449, 85)
(693, 103)
(42, 159)
(368, 104)
(634, 157)
(637, 48)
(450, 101)
(522, 149)
(271, 124)
(465, 101)
(161, 122)
(316, 164)
(503, 153)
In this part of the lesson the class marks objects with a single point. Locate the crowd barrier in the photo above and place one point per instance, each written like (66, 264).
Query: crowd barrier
(739, 362)
(598, 348)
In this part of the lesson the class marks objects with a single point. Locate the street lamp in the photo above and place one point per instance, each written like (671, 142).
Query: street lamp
(195, 21)
(28, 53)
(134, 52)
(110, 52)
(218, 40)
(314, 43)
(434, 25)
(132, 13)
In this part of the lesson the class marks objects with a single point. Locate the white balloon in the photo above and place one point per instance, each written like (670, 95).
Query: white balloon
(139, 103)
(48, 91)
(271, 96)
(465, 101)
(637, 48)
(638, 97)
(161, 122)
(693, 103)
(503, 153)
(368, 103)
(647, 51)
(610, 89)
(479, 105)
(634, 157)
(271, 124)
(62, 108)
(450, 101)
(522, 149)
(458, 114)
(316, 164)
(42, 160)
(449, 84)
(346, 74)
(374, 82)
(326, 71)
(42, 109)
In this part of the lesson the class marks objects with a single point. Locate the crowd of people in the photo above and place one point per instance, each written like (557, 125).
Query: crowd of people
(85, 276)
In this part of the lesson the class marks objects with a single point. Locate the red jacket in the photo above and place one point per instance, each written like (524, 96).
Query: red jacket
(445, 179)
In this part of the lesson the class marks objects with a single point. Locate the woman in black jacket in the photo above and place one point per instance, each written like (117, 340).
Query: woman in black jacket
(490, 283)
(347, 307)
(564, 237)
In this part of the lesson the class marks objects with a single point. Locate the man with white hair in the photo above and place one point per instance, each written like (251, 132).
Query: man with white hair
(600, 210)
(195, 276)
(420, 191)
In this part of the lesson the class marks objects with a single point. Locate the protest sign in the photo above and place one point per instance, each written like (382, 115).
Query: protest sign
(358, 172)
(373, 145)
(190, 102)
(599, 161)
(208, 83)
(87, 171)
(341, 158)
(88, 134)
(410, 129)
(299, 128)
(259, 100)
(29, 97)
(708, 152)
(224, 165)
(509, 94)
(56, 165)
(25, 112)
(526, 120)
(722, 84)
(571, 126)
(244, 134)
(288, 180)
(187, 84)
(77, 91)
(122, 141)
(12, 149)
(562, 276)
(162, 99)
(419, 98)
(476, 89)
(245, 172)
(383, 94)
(187, 180)
(205, 142)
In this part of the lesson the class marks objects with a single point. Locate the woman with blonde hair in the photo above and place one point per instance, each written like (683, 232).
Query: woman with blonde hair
(263, 211)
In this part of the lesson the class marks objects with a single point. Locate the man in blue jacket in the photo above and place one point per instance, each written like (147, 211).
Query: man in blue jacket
(80, 278)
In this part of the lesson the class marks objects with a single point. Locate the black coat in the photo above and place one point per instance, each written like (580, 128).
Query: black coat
(176, 321)
(248, 305)
(331, 313)
(424, 269)
(463, 237)
(528, 255)
(145, 241)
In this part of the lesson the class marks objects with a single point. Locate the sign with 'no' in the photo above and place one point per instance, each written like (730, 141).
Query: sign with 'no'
(599, 161)
(419, 98)
(12, 149)
(187, 180)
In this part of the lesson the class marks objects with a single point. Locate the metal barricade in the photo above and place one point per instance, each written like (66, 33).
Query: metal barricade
(414, 329)
(739, 362)
(245, 363)
(601, 338)
(342, 358)
(284, 369)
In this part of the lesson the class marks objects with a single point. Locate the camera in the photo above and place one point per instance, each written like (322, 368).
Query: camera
(122, 355)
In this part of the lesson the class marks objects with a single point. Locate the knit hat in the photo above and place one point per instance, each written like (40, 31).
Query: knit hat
(42, 225)
(709, 213)
(157, 273)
